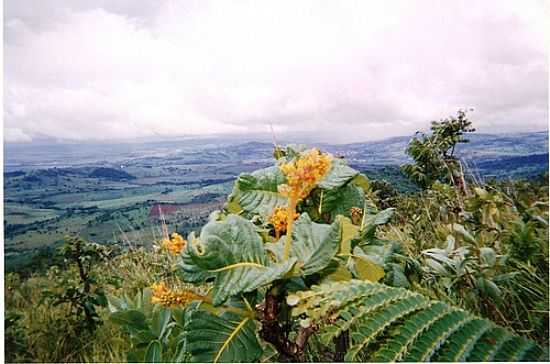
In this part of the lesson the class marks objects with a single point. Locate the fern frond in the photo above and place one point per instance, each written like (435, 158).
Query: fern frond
(355, 310)
(388, 324)
(489, 344)
(366, 332)
(398, 345)
(431, 340)
(460, 344)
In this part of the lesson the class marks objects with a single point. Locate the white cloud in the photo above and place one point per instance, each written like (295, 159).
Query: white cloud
(363, 70)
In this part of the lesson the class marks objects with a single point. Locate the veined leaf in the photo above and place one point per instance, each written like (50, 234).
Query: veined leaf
(340, 201)
(232, 251)
(313, 245)
(227, 339)
(188, 270)
(161, 319)
(256, 193)
(338, 175)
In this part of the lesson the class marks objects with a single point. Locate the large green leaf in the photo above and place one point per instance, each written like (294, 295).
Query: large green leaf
(188, 271)
(226, 339)
(338, 175)
(313, 245)
(256, 193)
(233, 252)
(341, 200)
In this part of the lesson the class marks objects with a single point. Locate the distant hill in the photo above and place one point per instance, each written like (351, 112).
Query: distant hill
(482, 148)
(111, 173)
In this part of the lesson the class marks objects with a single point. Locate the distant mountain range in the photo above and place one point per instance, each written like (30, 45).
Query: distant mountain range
(483, 152)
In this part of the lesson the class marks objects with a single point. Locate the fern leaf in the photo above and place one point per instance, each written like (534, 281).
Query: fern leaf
(488, 345)
(359, 309)
(511, 349)
(396, 347)
(387, 324)
(367, 331)
(524, 354)
(460, 344)
(431, 340)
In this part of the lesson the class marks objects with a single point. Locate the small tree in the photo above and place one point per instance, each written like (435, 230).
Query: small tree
(81, 293)
(433, 154)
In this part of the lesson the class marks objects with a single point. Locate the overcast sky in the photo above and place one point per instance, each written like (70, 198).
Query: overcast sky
(343, 70)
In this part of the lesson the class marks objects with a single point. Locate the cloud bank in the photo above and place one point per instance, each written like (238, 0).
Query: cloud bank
(347, 71)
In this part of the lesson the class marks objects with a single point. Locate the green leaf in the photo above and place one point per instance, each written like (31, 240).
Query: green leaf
(116, 304)
(349, 231)
(161, 319)
(234, 253)
(132, 319)
(339, 274)
(339, 201)
(361, 181)
(154, 352)
(489, 288)
(256, 193)
(464, 233)
(338, 175)
(367, 269)
(188, 271)
(387, 324)
(313, 245)
(372, 221)
(228, 339)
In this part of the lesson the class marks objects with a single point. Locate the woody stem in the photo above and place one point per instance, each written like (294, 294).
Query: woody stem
(290, 212)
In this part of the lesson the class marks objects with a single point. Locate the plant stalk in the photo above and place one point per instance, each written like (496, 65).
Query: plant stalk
(290, 212)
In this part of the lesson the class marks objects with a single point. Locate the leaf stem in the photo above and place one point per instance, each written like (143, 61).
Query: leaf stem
(290, 212)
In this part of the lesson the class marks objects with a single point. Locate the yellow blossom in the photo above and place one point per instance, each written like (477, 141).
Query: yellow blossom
(168, 297)
(304, 173)
(279, 220)
(175, 244)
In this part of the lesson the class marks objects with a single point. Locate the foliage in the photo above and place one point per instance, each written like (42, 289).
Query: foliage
(309, 260)
(433, 154)
(81, 293)
(312, 293)
(392, 324)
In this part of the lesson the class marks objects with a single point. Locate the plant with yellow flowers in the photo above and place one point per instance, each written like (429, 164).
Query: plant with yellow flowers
(315, 276)
(302, 174)
(175, 244)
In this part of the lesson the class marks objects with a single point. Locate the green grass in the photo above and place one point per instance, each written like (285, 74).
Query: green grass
(24, 214)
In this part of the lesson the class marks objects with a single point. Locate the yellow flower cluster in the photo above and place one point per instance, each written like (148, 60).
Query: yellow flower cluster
(279, 220)
(304, 173)
(168, 297)
(301, 175)
(175, 244)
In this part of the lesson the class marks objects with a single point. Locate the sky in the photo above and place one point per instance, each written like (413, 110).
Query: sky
(338, 71)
